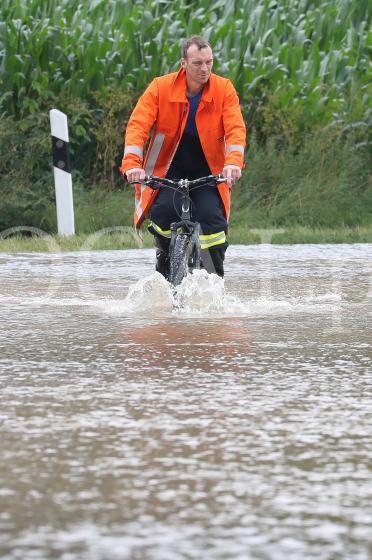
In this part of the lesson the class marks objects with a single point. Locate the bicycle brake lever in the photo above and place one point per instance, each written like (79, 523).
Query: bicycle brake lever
(220, 178)
(144, 182)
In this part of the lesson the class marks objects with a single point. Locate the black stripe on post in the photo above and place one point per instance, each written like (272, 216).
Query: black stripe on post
(61, 158)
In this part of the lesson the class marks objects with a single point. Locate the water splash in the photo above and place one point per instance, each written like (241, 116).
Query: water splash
(198, 293)
(150, 293)
(203, 294)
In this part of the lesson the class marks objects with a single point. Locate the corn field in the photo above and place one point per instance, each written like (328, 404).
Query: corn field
(301, 68)
(310, 55)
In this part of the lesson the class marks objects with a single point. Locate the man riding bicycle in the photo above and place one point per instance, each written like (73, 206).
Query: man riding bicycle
(197, 129)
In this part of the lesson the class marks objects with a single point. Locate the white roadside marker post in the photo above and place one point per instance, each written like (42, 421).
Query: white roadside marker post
(62, 173)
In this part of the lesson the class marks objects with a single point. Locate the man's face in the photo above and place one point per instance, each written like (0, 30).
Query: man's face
(198, 64)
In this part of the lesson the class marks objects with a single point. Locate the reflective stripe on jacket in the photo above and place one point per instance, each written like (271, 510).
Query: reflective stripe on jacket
(162, 111)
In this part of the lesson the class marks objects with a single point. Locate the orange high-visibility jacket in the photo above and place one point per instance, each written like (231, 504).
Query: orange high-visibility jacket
(163, 110)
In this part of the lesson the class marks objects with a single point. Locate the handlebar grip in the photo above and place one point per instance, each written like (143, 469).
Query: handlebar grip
(143, 182)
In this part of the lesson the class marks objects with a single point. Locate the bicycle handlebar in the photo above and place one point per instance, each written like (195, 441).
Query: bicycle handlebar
(157, 182)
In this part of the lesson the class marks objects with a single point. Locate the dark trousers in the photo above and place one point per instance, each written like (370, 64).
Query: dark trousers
(205, 206)
(212, 258)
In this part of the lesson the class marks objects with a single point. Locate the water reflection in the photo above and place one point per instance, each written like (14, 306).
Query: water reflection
(197, 345)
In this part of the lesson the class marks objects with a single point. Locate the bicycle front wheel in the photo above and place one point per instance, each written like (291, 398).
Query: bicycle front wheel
(179, 258)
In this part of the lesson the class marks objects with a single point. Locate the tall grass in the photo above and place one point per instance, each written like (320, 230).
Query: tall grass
(308, 53)
(326, 183)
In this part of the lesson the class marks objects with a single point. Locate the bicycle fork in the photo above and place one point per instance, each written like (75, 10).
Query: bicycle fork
(190, 231)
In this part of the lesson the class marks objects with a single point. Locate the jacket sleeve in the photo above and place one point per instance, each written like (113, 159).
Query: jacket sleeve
(235, 131)
(138, 129)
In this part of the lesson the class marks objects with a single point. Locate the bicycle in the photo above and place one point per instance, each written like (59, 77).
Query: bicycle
(184, 247)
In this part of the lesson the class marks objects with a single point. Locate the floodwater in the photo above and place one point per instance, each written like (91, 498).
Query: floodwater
(231, 422)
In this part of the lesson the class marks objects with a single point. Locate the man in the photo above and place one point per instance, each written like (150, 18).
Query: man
(197, 129)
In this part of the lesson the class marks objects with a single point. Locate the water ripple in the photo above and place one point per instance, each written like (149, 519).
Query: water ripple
(228, 421)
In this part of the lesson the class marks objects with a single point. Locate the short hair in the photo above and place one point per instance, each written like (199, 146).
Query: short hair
(194, 40)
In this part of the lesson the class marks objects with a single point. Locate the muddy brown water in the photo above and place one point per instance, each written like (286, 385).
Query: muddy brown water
(231, 422)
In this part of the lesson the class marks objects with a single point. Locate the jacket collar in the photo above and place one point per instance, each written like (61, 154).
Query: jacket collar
(178, 88)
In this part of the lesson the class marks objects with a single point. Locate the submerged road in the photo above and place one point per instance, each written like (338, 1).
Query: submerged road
(233, 422)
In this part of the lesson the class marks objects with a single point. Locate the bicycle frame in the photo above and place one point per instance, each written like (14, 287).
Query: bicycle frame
(187, 227)
(185, 240)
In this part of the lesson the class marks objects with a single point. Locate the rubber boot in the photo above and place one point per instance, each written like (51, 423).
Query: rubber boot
(212, 259)
(162, 256)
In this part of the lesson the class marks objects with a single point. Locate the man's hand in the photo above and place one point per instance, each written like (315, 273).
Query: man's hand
(135, 174)
(232, 173)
